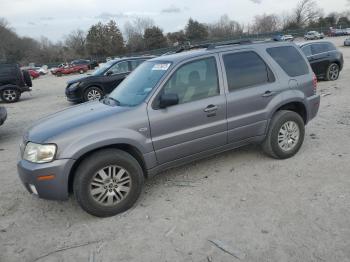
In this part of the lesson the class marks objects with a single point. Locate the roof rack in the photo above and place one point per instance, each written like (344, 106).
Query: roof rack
(210, 46)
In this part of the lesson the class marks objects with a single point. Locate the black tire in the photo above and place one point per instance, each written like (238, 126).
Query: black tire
(271, 146)
(97, 161)
(81, 71)
(58, 74)
(88, 93)
(333, 71)
(10, 95)
(27, 78)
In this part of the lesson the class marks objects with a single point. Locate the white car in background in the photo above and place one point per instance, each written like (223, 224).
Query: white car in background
(312, 35)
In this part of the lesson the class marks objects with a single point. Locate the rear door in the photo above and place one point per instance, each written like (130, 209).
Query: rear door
(250, 86)
(198, 123)
(115, 75)
(319, 59)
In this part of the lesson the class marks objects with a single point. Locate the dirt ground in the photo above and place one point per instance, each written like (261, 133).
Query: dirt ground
(253, 207)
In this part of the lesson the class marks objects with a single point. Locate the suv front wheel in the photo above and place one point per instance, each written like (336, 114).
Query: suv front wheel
(285, 135)
(10, 95)
(108, 182)
(93, 93)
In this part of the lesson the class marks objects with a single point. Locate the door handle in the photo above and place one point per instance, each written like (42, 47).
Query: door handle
(210, 108)
(268, 93)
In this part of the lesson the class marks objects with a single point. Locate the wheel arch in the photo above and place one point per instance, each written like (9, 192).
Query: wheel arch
(132, 150)
(296, 106)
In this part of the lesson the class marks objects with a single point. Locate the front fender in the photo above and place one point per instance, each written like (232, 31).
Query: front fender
(93, 141)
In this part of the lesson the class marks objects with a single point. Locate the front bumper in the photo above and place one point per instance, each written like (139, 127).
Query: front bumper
(73, 96)
(3, 115)
(313, 104)
(55, 189)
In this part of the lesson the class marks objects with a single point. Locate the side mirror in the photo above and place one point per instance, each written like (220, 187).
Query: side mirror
(109, 73)
(167, 100)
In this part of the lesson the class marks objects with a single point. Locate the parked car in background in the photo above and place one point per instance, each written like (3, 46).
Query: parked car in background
(103, 80)
(33, 74)
(70, 69)
(171, 110)
(90, 63)
(13, 82)
(3, 115)
(312, 35)
(282, 37)
(325, 59)
(53, 69)
(347, 42)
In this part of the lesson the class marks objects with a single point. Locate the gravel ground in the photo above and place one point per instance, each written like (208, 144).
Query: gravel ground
(240, 205)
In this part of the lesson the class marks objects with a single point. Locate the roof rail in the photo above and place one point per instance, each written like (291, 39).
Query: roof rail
(210, 46)
(192, 47)
(237, 42)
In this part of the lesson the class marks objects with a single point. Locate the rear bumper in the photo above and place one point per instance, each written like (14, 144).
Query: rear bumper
(3, 115)
(313, 104)
(54, 189)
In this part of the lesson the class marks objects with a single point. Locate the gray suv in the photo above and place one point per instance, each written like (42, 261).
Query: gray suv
(171, 110)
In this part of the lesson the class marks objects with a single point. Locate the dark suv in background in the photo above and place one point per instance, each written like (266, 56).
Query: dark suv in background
(103, 80)
(325, 59)
(91, 64)
(171, 110)
(13, 82)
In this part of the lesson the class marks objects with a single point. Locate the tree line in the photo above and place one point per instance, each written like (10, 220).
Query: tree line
(141, 34)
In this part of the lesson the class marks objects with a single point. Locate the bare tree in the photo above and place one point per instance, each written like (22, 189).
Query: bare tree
(265, 23)
(224, 28)
(76, 41)
(306, 11)
(134, 31)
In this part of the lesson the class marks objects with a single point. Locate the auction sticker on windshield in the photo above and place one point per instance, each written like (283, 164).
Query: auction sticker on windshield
(162, 67)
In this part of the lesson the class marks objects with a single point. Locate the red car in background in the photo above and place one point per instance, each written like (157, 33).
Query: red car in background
(33, 74)
(69, 69)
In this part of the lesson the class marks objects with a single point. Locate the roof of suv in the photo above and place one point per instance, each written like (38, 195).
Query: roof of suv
(216, 48)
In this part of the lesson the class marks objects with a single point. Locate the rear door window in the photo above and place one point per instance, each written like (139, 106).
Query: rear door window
(246, 69)
(319, 48)
(307, 50)
(289, 59)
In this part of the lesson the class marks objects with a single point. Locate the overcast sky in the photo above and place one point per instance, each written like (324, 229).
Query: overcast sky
(55, 19)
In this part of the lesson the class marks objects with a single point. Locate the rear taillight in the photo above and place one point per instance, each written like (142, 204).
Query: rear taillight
(314, 83)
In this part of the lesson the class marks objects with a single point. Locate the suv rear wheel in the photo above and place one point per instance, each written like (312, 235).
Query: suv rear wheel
(108, 182)
(332, 72)
(285, 135)
(93, 93)
(10, 95)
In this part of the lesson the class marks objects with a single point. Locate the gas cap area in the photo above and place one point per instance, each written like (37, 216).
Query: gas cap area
(293, 83)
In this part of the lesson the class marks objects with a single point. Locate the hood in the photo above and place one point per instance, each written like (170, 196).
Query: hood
(80, 116)
(81, 79)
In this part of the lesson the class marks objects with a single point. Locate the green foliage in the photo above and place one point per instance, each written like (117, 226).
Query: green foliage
(154, 38)
(196, 31)
(105, 40)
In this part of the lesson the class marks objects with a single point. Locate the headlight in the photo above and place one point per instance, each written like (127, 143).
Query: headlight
(37, 153)
(74, 85)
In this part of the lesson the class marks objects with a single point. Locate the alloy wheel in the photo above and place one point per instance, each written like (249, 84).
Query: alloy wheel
(333, 72)
(9, 95)
(110, 185)
(288, 136)
(94, 95)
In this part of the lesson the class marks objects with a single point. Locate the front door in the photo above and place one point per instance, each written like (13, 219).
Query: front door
(115, 75)
(198, 122)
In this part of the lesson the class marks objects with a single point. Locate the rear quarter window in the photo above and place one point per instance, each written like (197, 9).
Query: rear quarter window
(289, 59)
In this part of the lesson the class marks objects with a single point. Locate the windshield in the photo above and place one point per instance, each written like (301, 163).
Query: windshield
(103, 68)
(135, 88)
